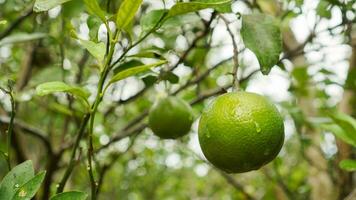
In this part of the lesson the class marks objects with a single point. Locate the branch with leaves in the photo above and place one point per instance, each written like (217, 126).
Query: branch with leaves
(126, 40)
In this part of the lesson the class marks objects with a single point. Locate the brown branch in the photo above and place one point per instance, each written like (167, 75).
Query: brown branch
(128, 130)
(125, 133)
(280, 183)
(352, 195)
(81, 64)
(201, 77)
(122, 135)
(16, 23)
(298, 50)
(194, 42)
(16, 144)
(235, 81)
(115, 156)
(136, 120)
(27, 129)
(134, 97)
(234, 183)
(181, 59)
(229, 178)
(51, 168)
(72, 163)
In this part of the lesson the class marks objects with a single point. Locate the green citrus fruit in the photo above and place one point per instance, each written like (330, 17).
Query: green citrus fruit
(170, 118)
(240, 132)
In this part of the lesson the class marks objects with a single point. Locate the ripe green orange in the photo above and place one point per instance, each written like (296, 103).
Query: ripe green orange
(240, 132)
(170, 118)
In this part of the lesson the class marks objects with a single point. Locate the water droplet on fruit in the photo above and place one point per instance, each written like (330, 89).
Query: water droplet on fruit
(17, 185)
(207, 135)
(258, 128)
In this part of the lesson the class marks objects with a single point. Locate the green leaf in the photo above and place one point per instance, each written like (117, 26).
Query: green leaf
(73, 195)
(56, 86)
(174, 23)
(135, 70)
(18, 176)
(21, 37)
(187, 7)
(94, 9)
(95, 49)
(322, 9)
(44, 5)
(29, 189)
(224, 8)
(151, 19)
(348, 165)
(127, 65)
(347, 123)
(64, 110)
(149, 80)
(72, 9)
(147, 54)
(170, 76)
(351, 79)
(127, 12)
(262, 35)
(338, 132)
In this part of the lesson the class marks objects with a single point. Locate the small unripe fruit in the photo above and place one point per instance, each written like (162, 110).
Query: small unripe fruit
(170, 118)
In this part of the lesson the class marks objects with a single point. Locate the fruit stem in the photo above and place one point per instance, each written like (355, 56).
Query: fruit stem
(235, 81)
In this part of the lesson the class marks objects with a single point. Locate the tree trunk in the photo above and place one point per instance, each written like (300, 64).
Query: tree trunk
(345, 182)
(319, 179)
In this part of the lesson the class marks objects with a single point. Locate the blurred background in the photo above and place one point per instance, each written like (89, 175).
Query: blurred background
(314, 87)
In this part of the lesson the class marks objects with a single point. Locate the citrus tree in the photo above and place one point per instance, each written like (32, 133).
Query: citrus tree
(177, 99)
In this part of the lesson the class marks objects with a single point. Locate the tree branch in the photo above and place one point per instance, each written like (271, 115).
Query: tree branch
(37, 133)
(16, 23)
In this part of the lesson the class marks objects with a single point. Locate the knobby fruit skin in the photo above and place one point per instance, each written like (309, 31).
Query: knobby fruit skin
(170, 118)
(240, 132)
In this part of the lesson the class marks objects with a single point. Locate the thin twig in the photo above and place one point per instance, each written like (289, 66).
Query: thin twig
(27, 129)
(201, 77)
(229, 178)
(181, 59)
(16, 23)
(10, 124)
(134, 126)
(73, 155)
(115, 156)
(235, 81)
